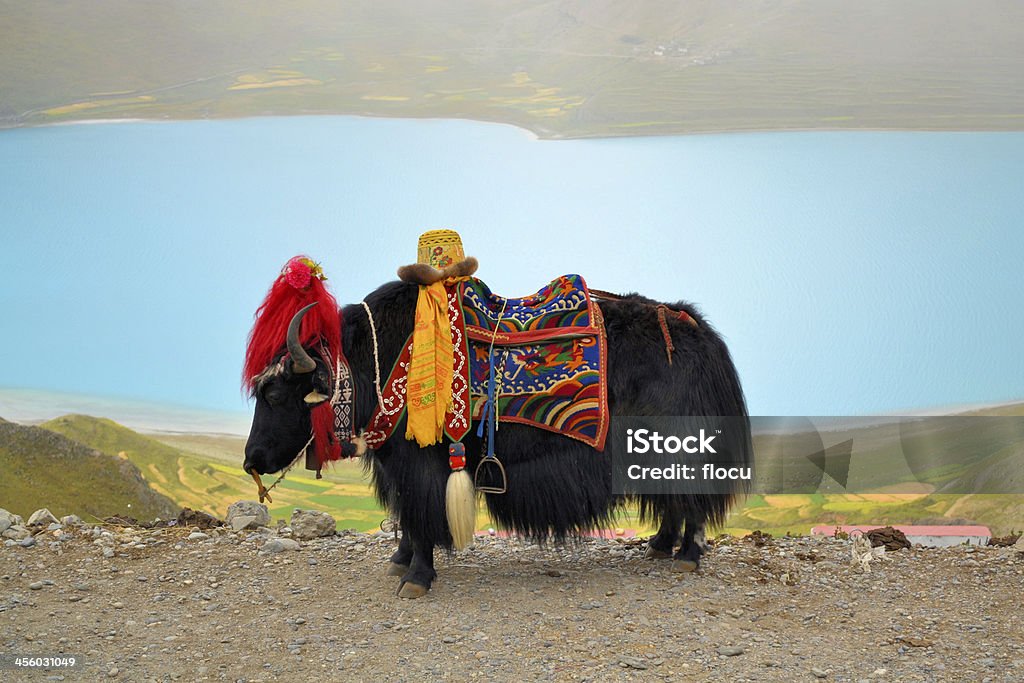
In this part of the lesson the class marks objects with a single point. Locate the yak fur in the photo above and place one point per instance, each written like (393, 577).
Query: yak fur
(558, 488)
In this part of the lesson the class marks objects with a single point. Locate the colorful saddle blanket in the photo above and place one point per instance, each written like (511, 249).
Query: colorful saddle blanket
(550, 353)
(551, 356)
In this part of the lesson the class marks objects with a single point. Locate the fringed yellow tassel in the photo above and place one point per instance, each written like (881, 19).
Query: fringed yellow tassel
(428, 386)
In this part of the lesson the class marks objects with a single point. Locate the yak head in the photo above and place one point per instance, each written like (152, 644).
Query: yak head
(286, 392)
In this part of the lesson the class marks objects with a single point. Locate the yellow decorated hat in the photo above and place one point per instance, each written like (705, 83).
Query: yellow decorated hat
(439, 255)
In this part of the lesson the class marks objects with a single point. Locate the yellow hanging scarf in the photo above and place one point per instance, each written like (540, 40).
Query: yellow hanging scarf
(429, 384)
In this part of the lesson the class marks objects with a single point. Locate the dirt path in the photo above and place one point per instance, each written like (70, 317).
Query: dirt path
(166, 608)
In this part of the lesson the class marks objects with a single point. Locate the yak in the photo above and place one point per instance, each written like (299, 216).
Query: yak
(558, 489)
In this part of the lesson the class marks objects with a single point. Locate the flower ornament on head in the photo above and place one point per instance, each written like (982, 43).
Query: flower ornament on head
(300, 271)
(299, 283)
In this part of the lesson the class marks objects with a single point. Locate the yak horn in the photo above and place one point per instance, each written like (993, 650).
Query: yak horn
(301, 361)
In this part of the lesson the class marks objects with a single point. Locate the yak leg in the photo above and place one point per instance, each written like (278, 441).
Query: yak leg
(416, 582)
(660, 546)
(402, 558)
(694, 545)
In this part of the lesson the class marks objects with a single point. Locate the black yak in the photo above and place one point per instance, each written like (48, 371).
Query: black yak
(558, 488)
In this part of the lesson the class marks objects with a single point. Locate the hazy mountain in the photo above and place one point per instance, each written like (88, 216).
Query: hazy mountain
(558, 67)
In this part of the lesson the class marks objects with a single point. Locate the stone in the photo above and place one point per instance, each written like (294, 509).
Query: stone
(818, 673)
(249, 508)
(632, 662)
(28, 542)
(17, 532)
(730, 651)
(276, 545)
(8, 519)
(71, 520)
(239, 522)
(42, 517)
(198, 536)
(309, 524)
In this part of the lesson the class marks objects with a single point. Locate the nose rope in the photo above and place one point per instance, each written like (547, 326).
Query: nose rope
(265, 491)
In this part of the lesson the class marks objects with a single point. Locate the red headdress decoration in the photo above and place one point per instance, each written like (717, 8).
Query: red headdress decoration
(300, 283)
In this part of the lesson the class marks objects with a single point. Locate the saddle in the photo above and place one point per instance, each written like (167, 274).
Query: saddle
(549, 354)
(546, 353)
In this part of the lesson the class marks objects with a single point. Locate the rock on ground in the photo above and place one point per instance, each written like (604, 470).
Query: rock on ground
(16, 532)
(249, 508)
(163, 608)
(41, 518)
(277, 545)
(8, 519)
(308, 524)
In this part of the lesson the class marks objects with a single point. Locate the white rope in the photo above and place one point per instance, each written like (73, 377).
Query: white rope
(376, 356)
(336, 398)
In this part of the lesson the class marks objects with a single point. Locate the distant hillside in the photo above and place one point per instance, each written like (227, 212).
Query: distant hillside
(202, 477)
(39, 468)
(187, 479)
(561, 68)
(112, 438)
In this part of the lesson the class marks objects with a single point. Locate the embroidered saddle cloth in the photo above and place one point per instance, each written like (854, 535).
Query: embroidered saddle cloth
(550, 354)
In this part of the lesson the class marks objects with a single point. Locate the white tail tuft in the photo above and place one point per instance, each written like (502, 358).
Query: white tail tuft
(460, 506)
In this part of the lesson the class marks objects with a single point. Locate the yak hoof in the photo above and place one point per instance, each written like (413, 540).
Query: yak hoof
(411, 590)
(656, 554)
(395, 569)
(684, 566)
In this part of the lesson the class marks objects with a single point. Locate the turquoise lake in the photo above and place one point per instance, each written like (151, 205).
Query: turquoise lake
(851, 273)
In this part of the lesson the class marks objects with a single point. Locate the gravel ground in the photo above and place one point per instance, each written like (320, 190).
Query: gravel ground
(178, 605)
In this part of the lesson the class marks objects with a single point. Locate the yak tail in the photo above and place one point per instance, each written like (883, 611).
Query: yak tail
(460, 507)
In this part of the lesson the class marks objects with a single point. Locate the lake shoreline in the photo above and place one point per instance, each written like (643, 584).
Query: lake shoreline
(538, 133)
